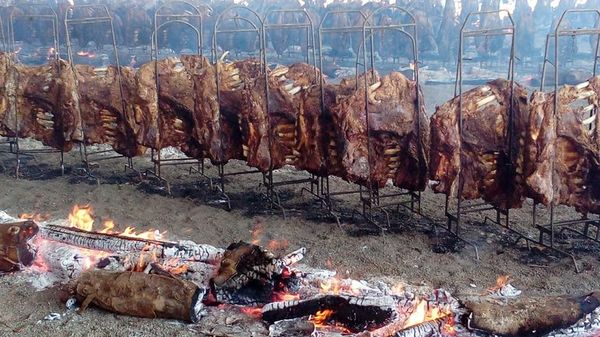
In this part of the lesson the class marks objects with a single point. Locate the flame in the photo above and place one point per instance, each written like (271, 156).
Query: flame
(283, 296)
(398, 289)
(501, 282)
(82, 217)
(33, 216)
(275, 245)
(321, 317)
(109, 225)
(422, 313)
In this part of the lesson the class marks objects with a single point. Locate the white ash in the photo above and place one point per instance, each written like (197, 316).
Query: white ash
(586, 327)
(506, 291)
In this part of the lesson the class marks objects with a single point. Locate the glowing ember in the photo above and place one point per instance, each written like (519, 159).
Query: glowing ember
(335, 286)
(282, 296)
(252, 312)
(82, 217)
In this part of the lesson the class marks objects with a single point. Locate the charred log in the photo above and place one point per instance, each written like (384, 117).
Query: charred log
(184, 250)
(356, 313)
(529, 316)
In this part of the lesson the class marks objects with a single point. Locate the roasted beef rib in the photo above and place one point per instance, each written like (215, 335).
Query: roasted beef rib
(488, 169)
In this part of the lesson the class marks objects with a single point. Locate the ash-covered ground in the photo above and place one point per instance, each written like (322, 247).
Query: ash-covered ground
(410, 251)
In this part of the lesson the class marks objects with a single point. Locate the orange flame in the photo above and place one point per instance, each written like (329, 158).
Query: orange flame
(33, 216)
(422, 313)
(501, 282)
(275, 245)
(282, 296)
(257, 232)
(82, 217)
(321, 317)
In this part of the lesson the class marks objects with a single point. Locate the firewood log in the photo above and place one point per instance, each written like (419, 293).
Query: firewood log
(140, 294)
(529, 316)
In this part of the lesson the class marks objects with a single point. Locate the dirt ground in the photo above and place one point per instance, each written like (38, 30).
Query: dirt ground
(410, 250)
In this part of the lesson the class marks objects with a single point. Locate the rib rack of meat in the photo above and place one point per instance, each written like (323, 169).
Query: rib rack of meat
(564, 147)
(399, 133)
(485, 158)
(45, 104)
(102, 93)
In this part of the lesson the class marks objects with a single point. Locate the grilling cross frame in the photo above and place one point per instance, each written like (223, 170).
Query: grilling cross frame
(370, 198)
(51, 17)
(182, 18)
(255, 25)
(100, 14)
(476, 207)
(549, 229)
(4, 49)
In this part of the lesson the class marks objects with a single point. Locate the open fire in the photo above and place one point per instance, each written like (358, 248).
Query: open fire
(262, 285)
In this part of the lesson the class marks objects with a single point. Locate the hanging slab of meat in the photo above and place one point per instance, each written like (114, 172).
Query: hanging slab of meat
(177, 106)
(205, 117)
(312, 125)
(566, 146)
(47, 104)
(105, 117)
(141, 94)
(398, 145)
(487, 170)
(6, 90)
(235, 80)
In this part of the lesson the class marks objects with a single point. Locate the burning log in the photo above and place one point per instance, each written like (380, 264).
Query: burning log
(140, 294)
(184, 250)
(531, 316)
(355, 313)
(15, 250)
(249, 274)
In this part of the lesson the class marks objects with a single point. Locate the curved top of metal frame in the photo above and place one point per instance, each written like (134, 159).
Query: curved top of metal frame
(398, 27)
(502, 30)
(178, 18)
(50, 16)
(558, 32)
(350, 28)
(104, 14)
(253, 20)
(307, 24)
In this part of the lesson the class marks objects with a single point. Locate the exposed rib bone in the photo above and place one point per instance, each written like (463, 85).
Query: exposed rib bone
(294, 91)
(282, 70)
(589, 120)
(485, 101)
(582, 85)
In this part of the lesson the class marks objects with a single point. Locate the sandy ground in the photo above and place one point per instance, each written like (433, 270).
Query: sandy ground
(410, 250)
